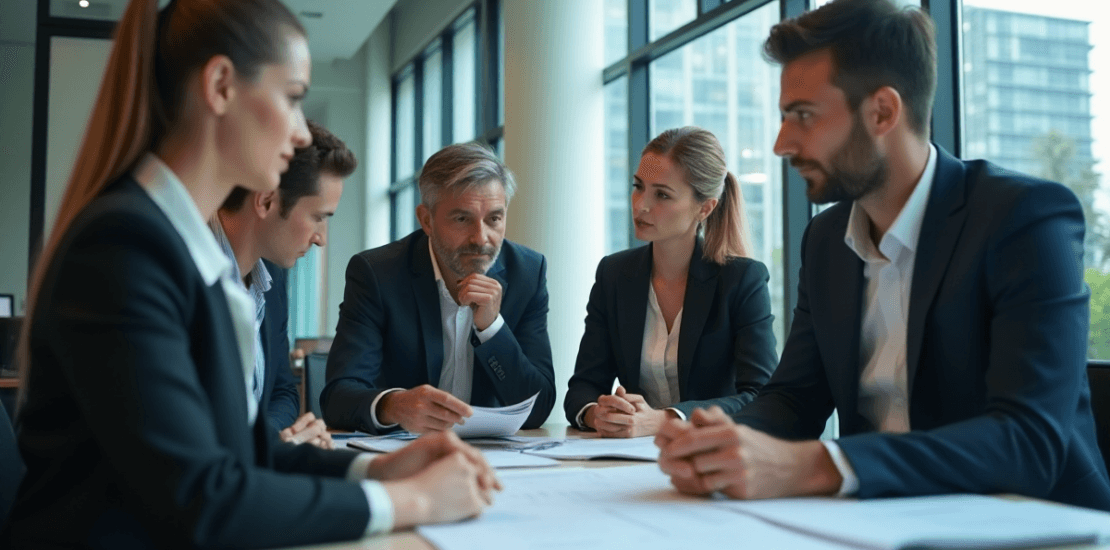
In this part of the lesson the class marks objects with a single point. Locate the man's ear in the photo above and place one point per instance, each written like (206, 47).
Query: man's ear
(218, 84)
(424, 216)
(265, 203)
(882, 111)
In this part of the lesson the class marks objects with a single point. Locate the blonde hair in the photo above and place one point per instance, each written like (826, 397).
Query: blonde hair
(142, 93)
(698, 154)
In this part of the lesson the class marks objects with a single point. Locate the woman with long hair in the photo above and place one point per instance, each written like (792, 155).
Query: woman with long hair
(135, 422)
(684, 321)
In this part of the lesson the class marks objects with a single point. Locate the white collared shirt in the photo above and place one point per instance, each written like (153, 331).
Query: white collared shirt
(659, 356)
(167, 191)
(888, 272)
(260, 284)
(456, 376)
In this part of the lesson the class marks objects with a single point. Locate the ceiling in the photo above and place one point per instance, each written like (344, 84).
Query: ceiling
(336, 28)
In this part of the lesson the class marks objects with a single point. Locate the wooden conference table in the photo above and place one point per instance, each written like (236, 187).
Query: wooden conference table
(409, 540)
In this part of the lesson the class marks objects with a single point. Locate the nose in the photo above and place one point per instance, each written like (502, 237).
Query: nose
(639, 204)
(320, 238)
(302, 137)
(785, 145)
(478, 236)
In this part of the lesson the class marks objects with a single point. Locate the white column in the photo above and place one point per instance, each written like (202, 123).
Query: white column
(554, 143)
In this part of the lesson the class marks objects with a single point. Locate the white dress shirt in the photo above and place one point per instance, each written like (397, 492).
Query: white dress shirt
(167, 191)
(888, 272)
(456, 376)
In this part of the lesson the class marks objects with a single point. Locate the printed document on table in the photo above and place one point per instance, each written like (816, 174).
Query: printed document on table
(636, 448)
(942, 521)
(496, 421)
(497, 458)
(620, 508)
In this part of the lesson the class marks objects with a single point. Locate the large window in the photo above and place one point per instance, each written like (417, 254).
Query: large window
(714, 78)
(1035, 83)
(437, 101)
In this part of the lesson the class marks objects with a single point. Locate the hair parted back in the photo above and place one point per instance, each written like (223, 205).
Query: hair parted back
(873, 43)
(701, 159)
(326, 155)
(462, 166)
(143, 93)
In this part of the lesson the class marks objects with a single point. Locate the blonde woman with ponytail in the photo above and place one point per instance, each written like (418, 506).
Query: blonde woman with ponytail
(683, 322)
(135, 423)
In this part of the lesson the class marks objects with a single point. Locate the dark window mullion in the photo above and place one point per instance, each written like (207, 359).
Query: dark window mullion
(447, 89)
(639, 100)
(486, 64)
(796, 208)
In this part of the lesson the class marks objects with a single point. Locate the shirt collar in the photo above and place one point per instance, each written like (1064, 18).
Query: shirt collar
(167, 191)
(906, 227)
(260, 276)
(435, 263)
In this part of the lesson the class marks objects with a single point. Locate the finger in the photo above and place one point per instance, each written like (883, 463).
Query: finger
(430, 424)
(616, 402)
(713, 416)
(733, 480)
(441, 414)
(617, 418)
(635, 399)
(286, 435)
(316, 428)
(452, 403)
(673, 429)
(676, 466)
(303, 421)
(716, 461)
(703, 440)
(476, 298)
(690, 485)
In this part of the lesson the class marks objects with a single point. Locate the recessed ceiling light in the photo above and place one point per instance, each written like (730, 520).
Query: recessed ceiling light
(312, 14)
(83, 3)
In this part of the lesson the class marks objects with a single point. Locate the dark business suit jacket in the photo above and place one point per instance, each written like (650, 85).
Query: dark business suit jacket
(726, 344)
(390, 334)
(280, 392)
(996, 349)
(134, 430)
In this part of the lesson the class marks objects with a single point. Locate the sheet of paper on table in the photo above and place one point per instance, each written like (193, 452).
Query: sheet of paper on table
(636, 448)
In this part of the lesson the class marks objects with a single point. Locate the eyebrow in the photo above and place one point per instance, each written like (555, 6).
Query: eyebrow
(656, 185)
(794, 105)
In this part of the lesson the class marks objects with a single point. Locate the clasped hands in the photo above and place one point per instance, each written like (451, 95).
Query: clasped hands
(711, 453)
(624, 414)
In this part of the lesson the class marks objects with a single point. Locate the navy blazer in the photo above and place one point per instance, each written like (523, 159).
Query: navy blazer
(280, 390)
(726, 344)
(390, 334)
(134, 430)
(996, 348)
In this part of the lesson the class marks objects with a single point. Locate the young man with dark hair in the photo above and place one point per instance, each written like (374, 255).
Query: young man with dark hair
(941, 305)
(265, 233)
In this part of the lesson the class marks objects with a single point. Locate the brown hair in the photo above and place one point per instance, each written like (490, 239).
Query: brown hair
(143, 92)
(874, 43)
(459, 167)
(698, 154)
(326, 155)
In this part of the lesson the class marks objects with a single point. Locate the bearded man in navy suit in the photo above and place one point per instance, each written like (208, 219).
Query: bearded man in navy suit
(941, 305)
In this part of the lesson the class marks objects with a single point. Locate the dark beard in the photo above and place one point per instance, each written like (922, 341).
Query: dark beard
(856, 170)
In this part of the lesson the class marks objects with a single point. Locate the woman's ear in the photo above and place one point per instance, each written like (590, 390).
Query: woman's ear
(218, 84)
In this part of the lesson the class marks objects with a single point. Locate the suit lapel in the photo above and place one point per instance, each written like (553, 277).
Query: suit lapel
(940, 231)
(840, 289)
(701, 286)
(426, 292)
(632, 304)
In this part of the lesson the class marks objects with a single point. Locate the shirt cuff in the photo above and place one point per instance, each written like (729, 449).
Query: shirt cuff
(580, 419)
(681, 415)
(850, 485)
(374, 410)
(381, 507)
(491, 330)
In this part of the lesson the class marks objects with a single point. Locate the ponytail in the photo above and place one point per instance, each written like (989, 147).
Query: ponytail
(117, 135)
(726, 229)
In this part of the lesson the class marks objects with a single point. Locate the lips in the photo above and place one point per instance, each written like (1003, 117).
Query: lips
(642, 224)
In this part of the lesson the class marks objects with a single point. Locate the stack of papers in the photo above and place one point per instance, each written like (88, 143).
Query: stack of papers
(637, 448)
(496, 421)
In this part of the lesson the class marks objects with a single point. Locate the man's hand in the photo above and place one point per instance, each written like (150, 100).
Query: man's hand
(624, 414)
(422, 409)
(483, 295)
(710, 453)
(426, 450)
(308, 429)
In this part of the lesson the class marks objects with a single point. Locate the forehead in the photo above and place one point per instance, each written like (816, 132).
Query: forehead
(297, 63)
(482, 197)
(655, 168)
(809, 79)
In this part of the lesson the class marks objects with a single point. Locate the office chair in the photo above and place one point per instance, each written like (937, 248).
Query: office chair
(315, 376)
(11, 471)
(1098, 373)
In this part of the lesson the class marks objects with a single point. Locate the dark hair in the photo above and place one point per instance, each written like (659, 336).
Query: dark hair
(142, 94)
(873, 44)
(326, 155)
(459, 167)
(700, 157)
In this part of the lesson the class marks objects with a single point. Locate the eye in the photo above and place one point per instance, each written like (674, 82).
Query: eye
(662, 195)
(638, 186)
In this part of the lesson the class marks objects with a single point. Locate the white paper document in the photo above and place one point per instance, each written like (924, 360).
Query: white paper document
(636, 448)
(944, 521)
(625, 508)
(496, 421)
(504, 455)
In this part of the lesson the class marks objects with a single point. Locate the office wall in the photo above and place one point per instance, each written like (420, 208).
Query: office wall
(379, 121)
(17, 79)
